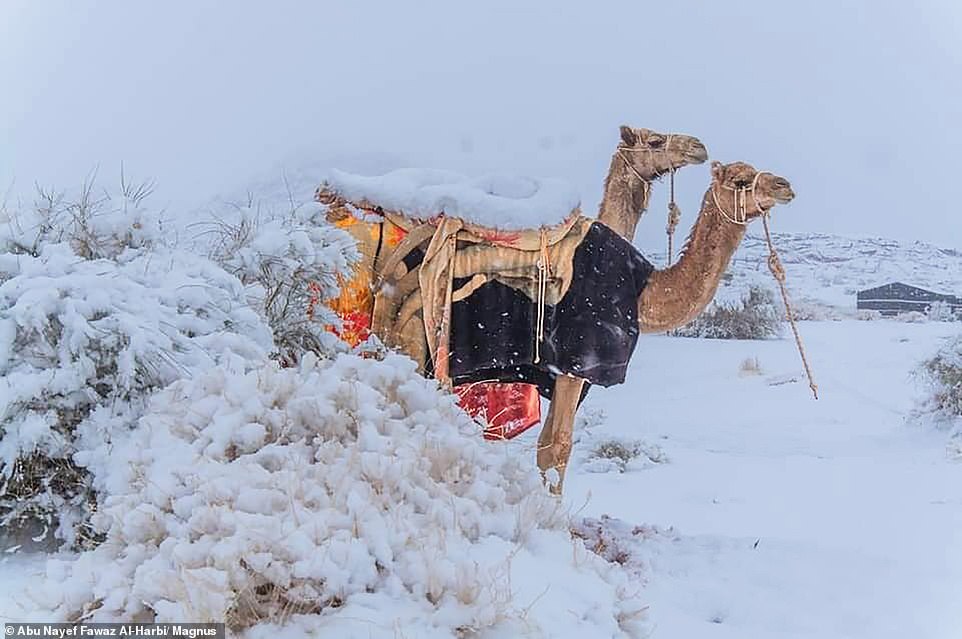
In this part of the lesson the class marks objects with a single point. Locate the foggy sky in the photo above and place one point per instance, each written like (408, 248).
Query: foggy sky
(857, 103)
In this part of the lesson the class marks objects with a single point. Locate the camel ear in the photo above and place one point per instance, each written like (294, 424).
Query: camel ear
(717, 170)
(628, 135)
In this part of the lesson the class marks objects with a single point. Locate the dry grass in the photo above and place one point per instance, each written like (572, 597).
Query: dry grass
(943, 375)
(755, 316)
(750, 366)
(622, 452)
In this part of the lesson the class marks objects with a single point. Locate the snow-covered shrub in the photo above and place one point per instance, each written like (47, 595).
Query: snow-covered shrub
(942, 312)
(95, 224)
(290, 261)
(95, 315)
(912, 317)
(621, 455)
(942, 375)
(750, 366)
(868, 315)
(617, 541)
(807, 310)
(346, 497)
(755, 316)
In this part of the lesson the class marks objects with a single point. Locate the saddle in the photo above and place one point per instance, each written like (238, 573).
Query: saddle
(536, 261)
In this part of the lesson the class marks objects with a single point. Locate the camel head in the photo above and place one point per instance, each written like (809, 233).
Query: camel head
(743, 193)
(652, 154)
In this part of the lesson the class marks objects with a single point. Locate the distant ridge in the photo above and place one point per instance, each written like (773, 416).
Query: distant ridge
(830, 269)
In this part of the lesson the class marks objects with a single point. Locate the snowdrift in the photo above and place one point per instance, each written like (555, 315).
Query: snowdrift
(348, 496)
(341, 493)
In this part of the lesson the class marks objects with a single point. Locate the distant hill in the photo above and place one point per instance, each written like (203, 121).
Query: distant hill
(830, 269)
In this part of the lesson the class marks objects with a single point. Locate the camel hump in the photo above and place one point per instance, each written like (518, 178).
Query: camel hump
(495, 203)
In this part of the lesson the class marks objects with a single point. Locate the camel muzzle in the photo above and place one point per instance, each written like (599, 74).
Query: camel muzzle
(784, 195)
(697, 155)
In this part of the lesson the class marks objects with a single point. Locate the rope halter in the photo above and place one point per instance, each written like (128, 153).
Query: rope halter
(646, 148)
(739, 214)
(674, 213)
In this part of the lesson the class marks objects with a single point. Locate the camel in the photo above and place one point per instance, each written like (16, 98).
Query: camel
(668, 298)
(738, 194)
(642, 157)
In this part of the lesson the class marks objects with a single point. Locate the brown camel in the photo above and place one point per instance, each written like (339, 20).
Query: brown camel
(674, 296)
(642, 157)
(670, 298)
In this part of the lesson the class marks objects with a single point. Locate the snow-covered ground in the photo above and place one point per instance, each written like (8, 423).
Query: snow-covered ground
(791, 517)
(774, 515)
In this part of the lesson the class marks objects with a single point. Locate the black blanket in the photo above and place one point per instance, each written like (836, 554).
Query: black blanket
(591, 333)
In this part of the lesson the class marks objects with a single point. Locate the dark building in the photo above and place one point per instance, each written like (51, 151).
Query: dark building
(895, 298)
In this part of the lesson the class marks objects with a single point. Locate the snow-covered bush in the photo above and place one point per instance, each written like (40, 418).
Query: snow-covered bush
(943, 312)
(912, 317)
(808, 310)
(868, 315)
(345, 497)
(621, 455)
(289, 258)
(755, 316)
(95, 224)
(942, 376)
(941, 405)
(750, 366)
(619, 542)
(95, 315)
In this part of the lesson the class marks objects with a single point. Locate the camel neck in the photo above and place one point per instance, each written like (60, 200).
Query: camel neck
(676, 295)
(625, 198)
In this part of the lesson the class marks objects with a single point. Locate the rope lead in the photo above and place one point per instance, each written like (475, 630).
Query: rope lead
(778, 272)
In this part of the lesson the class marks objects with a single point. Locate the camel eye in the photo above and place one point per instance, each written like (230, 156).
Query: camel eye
(655, 142)
(741, 183)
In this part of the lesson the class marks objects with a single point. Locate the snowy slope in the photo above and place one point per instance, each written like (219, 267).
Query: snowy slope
(830, 269)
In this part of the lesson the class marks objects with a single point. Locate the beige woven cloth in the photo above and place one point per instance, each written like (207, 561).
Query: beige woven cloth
(537, 262)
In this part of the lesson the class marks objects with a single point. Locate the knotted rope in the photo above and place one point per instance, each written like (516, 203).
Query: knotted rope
(778, 272)
(739, 216)
(544, 272)
(674, 214)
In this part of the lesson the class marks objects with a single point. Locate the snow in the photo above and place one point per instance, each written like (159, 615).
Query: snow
(497, 201)
(855, 510)
(742, 508)
(773, 515)
(350, 486)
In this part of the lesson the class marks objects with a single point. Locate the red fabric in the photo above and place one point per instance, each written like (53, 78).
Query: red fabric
(507, 409)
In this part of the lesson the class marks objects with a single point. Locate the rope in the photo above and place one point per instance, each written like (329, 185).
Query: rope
(739, 215)
(544, 272)
(674, 214)
(778, 272)
(734, 217)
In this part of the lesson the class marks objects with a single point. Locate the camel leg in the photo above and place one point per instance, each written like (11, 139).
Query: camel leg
(554, 442)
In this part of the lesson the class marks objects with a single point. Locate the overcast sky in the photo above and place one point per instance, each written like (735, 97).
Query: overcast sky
(858, 103)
